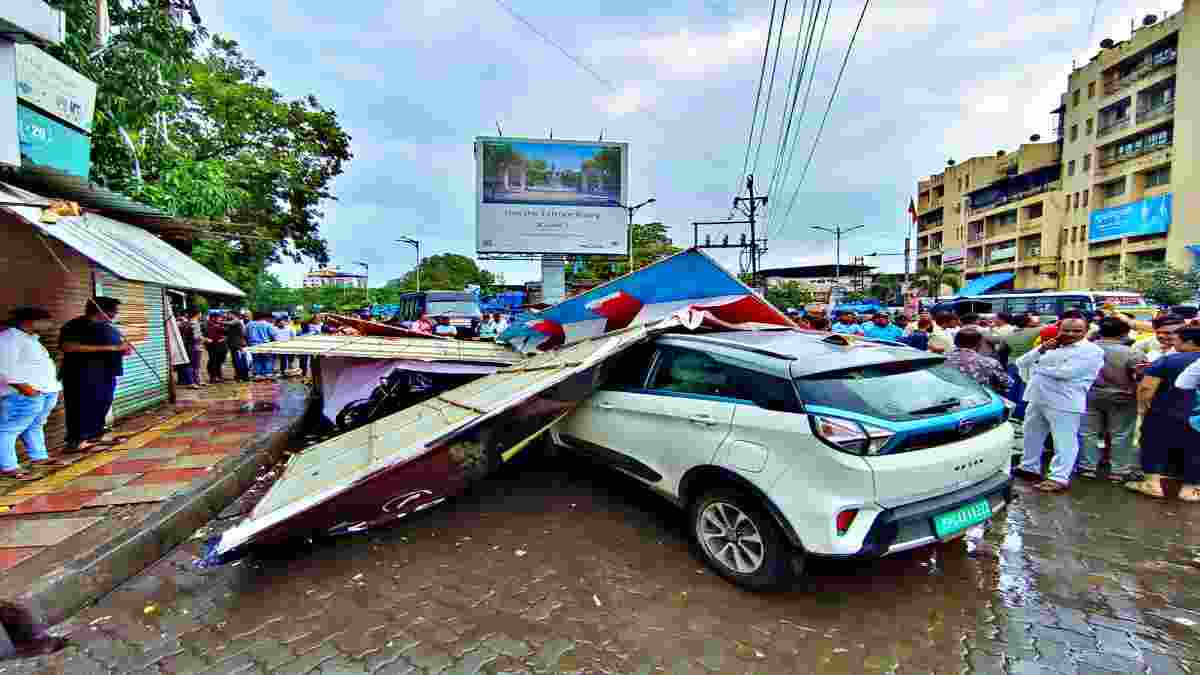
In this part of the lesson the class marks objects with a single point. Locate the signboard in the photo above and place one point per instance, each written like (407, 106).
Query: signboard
(1148, 216)
(10, 148)
(549, 196)
(48, 142)
(951, 256)
(54, 88)
(1002, 254)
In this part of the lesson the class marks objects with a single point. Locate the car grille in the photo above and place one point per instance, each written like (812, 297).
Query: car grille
(920, 440)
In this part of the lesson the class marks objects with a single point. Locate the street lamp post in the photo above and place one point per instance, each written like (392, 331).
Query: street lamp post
(631, 210)
(367, 271)
(417, 245)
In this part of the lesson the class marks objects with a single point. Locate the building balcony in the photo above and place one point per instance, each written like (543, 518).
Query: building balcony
(1034, 225)
(1106, 162)
(1117, 85)
(924, 227)
(1016, 197)
(975, 237)
(1114, 127)
(1156, 113)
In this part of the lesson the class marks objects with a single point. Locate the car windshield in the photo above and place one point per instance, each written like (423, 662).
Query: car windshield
(898, 392)
(453, 307)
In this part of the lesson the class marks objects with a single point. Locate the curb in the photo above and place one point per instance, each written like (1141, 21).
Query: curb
(54, 598)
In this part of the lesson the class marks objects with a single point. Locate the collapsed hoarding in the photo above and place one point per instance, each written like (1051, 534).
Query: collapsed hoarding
(424, 454)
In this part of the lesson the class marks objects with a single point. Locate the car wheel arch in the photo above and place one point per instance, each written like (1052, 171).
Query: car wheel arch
(701, 479)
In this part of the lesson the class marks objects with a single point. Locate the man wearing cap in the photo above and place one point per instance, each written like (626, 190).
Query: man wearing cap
(29, 390)
(93, 358)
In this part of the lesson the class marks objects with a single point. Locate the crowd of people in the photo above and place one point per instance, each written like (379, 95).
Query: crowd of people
(1110, 396)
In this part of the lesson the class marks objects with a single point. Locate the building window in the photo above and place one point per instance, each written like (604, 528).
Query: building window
(1076, 200)
(1034, 211)
(1071, 168)
(1075, 99)
(1087, 162)
(1073, 235)
(1085, 198)
(1114, 189)
(1087, 127)
(1091, 90)
(1159, 176)
(1074, 132)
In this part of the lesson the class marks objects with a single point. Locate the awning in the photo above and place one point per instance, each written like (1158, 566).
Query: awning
(1194, 248)
(984, 284)
(416, 349)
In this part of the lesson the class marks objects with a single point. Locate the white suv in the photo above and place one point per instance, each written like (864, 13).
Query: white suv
(781, 445)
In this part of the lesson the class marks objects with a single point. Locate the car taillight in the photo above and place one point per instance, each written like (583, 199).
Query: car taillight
(850, 436)
(845, 519)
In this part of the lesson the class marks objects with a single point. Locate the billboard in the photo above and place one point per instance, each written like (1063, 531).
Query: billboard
(47, 142)
(550, 196)
(1148, 216)
(51, 86)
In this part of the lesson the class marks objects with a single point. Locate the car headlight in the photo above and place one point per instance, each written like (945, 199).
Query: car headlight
(850, 436)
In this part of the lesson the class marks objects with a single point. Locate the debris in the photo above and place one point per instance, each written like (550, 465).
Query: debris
(1184, 621)
(357, 577)
(596, 599)
(745, 650)
(150, 609)
(101, 619)
(521, 553)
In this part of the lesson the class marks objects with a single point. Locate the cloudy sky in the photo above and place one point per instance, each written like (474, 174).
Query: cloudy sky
(414, 82)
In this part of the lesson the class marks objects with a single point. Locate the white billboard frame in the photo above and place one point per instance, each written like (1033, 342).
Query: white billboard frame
(537, 227)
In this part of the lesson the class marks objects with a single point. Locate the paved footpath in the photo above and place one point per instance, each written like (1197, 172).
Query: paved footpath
(79, 531)
(552, 566)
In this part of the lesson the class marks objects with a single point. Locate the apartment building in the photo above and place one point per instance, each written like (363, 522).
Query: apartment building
(1120, 187)
(941, 210)
(1129, 153)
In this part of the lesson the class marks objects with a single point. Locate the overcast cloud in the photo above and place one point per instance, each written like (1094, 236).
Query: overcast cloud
(414, 82)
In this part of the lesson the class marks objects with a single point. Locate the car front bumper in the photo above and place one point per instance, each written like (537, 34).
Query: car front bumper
(911, 526)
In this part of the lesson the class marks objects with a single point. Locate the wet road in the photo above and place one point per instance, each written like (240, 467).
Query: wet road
(558, 567)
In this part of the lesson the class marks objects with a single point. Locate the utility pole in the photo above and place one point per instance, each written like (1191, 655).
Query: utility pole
(837, 231)
(751, 210)
(629, 230)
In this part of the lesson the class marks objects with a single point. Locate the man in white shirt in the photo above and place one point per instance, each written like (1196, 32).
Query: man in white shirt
(29, 390)
(1060, 371)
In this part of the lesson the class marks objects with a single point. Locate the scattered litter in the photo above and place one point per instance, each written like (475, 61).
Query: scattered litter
(699, 571)
(1184, 621)
(745, 650)
(596, 599)
(840, 650)
(357, 577)
(521, 553)
(101, 619)
(150, 609)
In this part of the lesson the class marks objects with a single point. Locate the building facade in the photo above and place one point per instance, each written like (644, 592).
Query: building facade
(1117, 190)
(332, 277)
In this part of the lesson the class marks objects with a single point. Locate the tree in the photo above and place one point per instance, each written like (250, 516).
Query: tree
(1162, 283)
(448, 271)
(933, 278)
(789, 295)
(884, 288)
(188, 124)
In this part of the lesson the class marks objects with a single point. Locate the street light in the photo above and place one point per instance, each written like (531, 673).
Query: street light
(367, 271)
(631, 210)
(417, 245)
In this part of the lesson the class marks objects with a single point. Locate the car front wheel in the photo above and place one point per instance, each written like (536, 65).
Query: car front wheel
(740, 541)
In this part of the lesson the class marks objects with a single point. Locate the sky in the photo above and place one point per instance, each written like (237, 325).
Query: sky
(414, 82)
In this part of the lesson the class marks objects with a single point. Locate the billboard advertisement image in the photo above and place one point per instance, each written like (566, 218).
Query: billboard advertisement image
(1147, 216)
(549, 196)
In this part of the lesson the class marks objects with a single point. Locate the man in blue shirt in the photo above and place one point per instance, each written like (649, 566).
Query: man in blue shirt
(882, 328)
(846, 324)
(259, 332)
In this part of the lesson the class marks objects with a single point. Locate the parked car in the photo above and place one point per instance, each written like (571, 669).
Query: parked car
(783, 445)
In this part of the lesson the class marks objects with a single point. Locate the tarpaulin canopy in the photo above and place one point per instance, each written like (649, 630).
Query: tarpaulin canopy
(411, 348)
(983, 284)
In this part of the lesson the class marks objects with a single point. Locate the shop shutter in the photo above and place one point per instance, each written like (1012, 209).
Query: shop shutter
(33, 276)
(142, 321)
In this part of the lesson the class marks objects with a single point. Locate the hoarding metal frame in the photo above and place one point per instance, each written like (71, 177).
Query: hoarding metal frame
(537, 255)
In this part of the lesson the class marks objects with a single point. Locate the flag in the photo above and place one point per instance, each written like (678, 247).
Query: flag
(912, 210)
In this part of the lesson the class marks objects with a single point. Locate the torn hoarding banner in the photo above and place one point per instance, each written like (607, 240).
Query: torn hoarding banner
(687, 279)
(419, 456)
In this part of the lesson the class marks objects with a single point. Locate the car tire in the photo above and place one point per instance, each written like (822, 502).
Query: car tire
(757, 557)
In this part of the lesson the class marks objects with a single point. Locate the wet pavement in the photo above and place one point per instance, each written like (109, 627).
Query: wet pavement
(553, 566)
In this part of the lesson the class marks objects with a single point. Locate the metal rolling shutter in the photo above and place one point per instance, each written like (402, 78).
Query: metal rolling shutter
(142, 321)
(34, 277)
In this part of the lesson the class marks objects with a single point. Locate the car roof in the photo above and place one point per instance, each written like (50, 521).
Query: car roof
(799, 353)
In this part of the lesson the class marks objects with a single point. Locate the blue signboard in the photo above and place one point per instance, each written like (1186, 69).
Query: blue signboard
(48, 142)
(1148, 216)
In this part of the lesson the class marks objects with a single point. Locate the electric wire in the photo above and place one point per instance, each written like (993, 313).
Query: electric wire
(789, 105)
(577, 61)
(762, 75)
(828, 107)
(787, 139)
(762, 128)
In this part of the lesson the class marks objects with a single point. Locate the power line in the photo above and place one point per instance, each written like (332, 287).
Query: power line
(1092, 24)
(828, 107)
(789, 105)
(579, 62)
(812, 77)
(754, 118)
(771, 85)
(786, 137)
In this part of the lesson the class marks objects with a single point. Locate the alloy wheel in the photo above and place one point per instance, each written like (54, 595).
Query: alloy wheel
(731, 537)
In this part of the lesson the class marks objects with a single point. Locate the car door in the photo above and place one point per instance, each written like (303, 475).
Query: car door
(678, 418)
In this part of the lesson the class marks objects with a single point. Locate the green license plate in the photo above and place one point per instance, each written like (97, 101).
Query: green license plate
(948, 523)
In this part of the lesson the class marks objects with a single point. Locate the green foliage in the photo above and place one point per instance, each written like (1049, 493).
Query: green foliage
(884, 288)
(446, 272)
(789, 295)
(1164, 284)
(932, 279)
(212, 140)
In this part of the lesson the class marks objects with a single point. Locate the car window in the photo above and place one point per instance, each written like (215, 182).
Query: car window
(629, 370)
(901, 391)
(683, 371)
